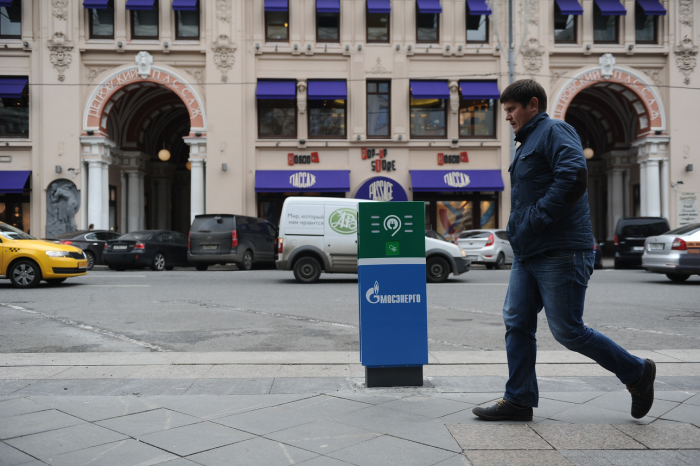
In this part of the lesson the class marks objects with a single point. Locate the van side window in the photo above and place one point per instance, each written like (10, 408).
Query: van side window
(242, 224)
(271, 231)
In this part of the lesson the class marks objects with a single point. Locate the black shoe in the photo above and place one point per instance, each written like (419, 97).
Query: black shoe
(643, 391)
(504, 410)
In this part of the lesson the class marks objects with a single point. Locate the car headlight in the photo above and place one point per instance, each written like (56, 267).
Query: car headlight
(58, 253)
(464, 253)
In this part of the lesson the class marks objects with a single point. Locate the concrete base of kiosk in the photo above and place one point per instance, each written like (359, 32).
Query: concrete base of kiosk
(394, 376)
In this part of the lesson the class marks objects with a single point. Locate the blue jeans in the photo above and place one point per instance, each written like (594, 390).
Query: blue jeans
(557, 280)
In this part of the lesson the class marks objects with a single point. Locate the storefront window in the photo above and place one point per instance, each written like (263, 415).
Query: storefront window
(327, 118)
(477, 28)
(144, 23)
(277, 26)
(477, 118)
(488, 215)
(14, 210)
(451, 213)
(377, 27)
(11, 21)
(564, 27)
(277, 118)
(605, 27)
(378, 105)
(327, 27)
(428, 118)
(454, 217)
(102, 22)
(187, 24)
(427, 27)
(644, 26)
(14, 116)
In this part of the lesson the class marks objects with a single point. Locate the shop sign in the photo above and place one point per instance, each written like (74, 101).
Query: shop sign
(380, 164)
(462, 157)
(381, 188)
(297, 159)
(688, 207)
(457, 179)
(302, 180)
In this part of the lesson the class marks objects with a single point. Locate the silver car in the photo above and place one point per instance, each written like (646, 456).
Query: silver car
(488, 247)
(667, 253)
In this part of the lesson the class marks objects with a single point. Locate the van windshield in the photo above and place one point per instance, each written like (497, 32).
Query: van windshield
(213, 224)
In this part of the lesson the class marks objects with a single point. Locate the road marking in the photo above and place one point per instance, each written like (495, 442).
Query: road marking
(87, 327)
(111, 275)
(123, 286)
(656, 332)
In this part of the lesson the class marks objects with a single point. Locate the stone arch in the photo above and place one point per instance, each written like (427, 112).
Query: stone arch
(643, 97)
(116, 84)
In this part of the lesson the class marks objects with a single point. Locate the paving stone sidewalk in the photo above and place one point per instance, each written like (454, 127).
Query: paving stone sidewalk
(100, 415)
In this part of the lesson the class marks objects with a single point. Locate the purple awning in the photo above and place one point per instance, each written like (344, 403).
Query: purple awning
(570, 7)
(96, 4)
(430, 90)
(379, 6)
(327, 90)
(478, 7)
(456, 180)
(313, 181)
(12, 88)
(276, 90)
(479, 90)
(652, 7)
(12, 182)
(327, 6)
(139, 4)
(429, 6)
(276, 5)
(185, 5)
(611, 7)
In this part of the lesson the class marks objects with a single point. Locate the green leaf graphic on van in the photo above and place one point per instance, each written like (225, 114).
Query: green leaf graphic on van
(343, 221)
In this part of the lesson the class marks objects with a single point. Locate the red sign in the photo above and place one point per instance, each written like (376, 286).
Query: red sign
(442, 159)
(371, 153)
(294, 159)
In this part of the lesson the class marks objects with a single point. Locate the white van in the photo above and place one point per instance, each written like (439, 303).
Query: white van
(319, 234)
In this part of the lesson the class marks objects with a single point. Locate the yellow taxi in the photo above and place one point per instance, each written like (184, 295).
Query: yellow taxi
(25, 260)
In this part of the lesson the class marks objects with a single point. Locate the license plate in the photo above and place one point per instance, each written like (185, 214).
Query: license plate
(82, 265)
(656, 246)
(472, 258)
(120, 247)
(693, 251)
(637, 248)
(210, 248)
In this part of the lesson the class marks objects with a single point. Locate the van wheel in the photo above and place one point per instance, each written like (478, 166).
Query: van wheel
(677, 277)
(202, 267)
(500, 261)
(24, 274)
(437, 270)
(307, 270)
(247, 263)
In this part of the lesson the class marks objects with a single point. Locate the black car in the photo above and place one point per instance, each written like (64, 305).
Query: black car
(237, 239)
(630, 234)
(92, 242)
(157, 249)
(598, 257)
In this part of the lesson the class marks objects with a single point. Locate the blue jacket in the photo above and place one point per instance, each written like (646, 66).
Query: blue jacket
(548, 178)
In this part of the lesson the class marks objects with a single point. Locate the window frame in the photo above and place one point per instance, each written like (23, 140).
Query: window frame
(324, 41)
(615, 41)
(296, 120)
(15, 4)
(267, 36)
(410, 129)
(89, 13)
(388, 27)
(199, 25)
(495, 120)
(156, 7)
(437, 28)
(308, 116)
(378, 81)
(466, 29)
(25, 96)
(655, 40)
(554, 19)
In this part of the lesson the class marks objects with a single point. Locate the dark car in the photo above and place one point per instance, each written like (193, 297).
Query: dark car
(630, 234)
(226, 239)
(92, 242)
(597, 249)
(157, 249)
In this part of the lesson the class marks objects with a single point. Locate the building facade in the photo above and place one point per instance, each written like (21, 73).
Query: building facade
(257, 100)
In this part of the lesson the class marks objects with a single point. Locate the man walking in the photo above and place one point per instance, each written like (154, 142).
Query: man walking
(550, 232)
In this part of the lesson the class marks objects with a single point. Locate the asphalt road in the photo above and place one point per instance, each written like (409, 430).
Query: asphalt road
(266, 310)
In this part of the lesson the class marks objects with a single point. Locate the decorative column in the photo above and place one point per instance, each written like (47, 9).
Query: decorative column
(643, 188)
(96, 152)
(611, 225)
(83, 195)
(653, 188)
(123, 202)
(665, 185)
(197, 159)
(134, 204)
(105, 197)
(95, 193)
(618, 196)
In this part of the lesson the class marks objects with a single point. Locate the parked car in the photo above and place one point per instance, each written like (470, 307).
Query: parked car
(674, 253)
(224, 239)
(25, 260)
(598, 257)
(435, 235)
(92, 242)
(488, 247)
(630, 234)
(157, 249)
(308, 244)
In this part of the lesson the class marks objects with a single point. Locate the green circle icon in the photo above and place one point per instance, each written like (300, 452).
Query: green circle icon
(343, 221)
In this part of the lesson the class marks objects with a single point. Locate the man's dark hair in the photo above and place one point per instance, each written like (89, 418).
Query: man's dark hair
(523, 90)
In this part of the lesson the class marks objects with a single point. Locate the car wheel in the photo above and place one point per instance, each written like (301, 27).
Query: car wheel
(158, 263)
(201, 267)
(500, 261)
(677, 277)
(25, 274)
(307, 270)
(247, 263)
(91, 260)
(437, 270)
(55, 281)
(489, 266)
